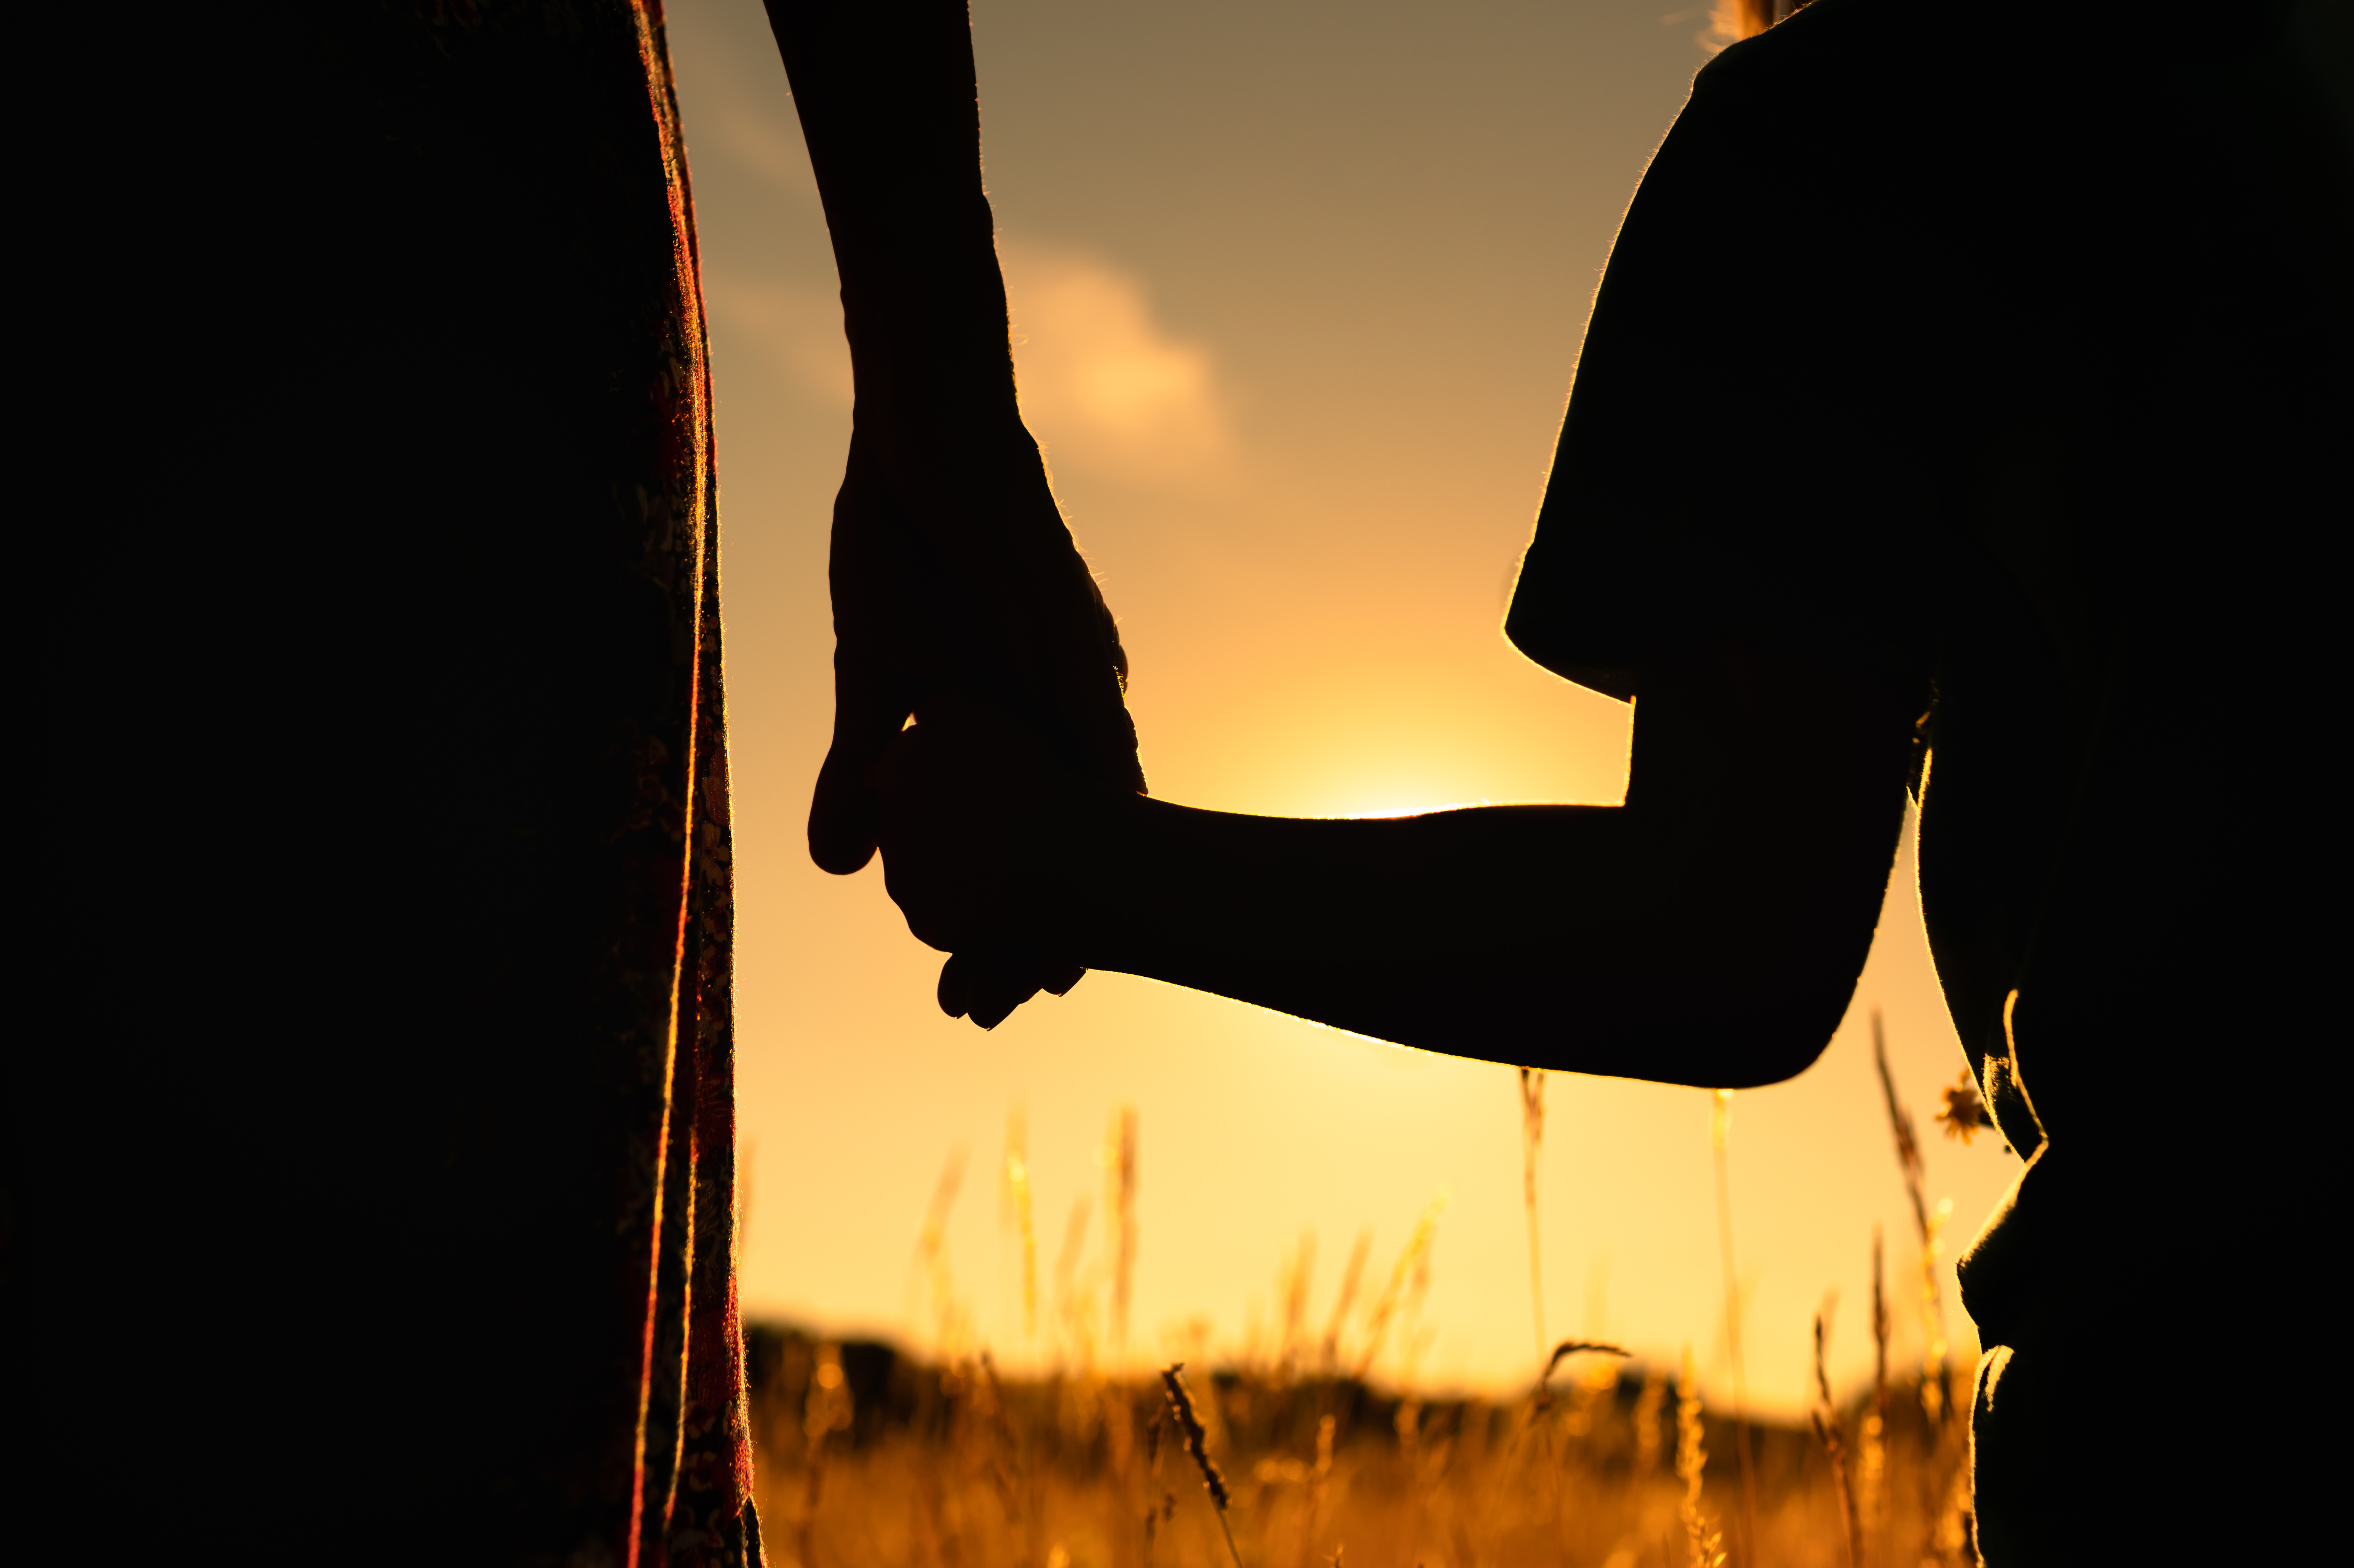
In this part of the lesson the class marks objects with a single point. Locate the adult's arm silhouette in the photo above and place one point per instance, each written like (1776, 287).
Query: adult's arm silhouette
(1708, 931)
(953, 575)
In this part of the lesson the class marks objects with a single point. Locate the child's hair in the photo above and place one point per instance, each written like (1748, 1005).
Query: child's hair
(1733, 20)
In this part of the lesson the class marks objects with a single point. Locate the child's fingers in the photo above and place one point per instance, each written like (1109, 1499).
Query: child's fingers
(1001, 996)
(982, 989)
(988, 990)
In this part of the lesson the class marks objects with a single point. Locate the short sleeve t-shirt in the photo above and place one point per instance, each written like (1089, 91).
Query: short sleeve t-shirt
(2016, 359)
(1749, 431)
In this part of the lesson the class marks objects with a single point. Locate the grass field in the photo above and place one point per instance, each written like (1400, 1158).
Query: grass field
(868, 1457)
(1293, 1456)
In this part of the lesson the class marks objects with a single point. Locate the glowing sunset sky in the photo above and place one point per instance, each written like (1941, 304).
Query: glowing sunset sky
(1298, 290)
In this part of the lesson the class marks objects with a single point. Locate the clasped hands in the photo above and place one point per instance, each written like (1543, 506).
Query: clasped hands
(960, 599)
(989, 848)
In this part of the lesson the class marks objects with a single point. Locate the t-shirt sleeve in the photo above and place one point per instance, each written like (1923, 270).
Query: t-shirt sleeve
(1751, 419)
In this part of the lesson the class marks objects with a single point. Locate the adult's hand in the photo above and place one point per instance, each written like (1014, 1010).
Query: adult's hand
(954, 580)
(954, 584)
(953, 575)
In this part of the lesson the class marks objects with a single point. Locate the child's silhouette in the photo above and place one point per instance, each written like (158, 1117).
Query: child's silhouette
(1961, 407)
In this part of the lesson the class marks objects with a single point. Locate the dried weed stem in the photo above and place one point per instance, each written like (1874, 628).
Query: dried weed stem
(1826, 1420)
(1719, 1135)
(1692, 1463)
(1197, 1445)
(1531, 1147)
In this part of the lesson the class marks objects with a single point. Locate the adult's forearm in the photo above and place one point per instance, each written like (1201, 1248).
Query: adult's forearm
(890, 109)
(1554, 935)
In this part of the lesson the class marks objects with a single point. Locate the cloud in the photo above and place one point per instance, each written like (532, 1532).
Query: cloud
(1103, 386)
(798, 330)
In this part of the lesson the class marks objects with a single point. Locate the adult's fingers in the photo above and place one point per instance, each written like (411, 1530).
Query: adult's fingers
(845, 812)
(955, 990)
(1083, 678)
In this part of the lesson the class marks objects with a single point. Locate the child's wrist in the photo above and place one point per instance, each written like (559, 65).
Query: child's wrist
(1098, 875)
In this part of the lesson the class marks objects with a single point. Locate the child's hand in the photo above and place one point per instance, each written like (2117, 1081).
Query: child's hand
(981, 835)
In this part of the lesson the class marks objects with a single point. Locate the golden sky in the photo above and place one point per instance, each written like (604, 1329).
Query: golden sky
(1297, 291)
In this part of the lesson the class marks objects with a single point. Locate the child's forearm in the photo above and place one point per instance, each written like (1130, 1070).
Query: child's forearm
(1708, 931)
(1551, 936)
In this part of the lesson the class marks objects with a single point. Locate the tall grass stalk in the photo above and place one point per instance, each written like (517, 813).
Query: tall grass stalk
(1119, 1210)
(1647, 1405)
(1019, 1480)
(1720, 1137)
(829, 1408)
(1826, 1420)
(1534, 1410)
(1074, 1305)
(1926, 1223)
(1417, 1248)
(1159, 1502)
(1292, 1281)
(932, 1258)
(1691, 1465)
(1350, 1276)
(1015, 1211)
(1873, 1483)
(1531, 1147)
(1197, 1445)
(1319, 1480)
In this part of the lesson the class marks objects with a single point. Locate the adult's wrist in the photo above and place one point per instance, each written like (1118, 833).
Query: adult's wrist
(935, 400)
(918, 295)
(932, 357)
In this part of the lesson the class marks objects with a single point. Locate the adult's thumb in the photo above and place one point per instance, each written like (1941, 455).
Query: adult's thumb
(845, 813)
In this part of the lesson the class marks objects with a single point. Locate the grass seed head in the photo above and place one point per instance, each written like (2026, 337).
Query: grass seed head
(1015, 1211)
(1707, 1542)
(1413, 1265)
(1119, 1180)
(1196, 1437)
(1569, 1348)
(1350, 1276)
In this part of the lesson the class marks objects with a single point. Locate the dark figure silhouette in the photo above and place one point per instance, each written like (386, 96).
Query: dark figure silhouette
(2025, 429)
(953, 575)
(369, 1190)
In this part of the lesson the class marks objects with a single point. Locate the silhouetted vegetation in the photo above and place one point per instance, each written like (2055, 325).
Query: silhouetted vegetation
(1292, 1455)
(869, 1456)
